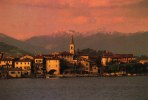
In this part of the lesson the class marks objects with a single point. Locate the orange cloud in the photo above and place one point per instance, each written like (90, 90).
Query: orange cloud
(75, 3)
(46, 16)
(79, 20)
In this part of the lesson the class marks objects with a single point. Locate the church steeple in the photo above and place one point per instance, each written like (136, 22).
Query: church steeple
(72, 42)
(72, 46)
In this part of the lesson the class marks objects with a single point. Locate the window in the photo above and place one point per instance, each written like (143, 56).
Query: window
(86, 68)
(28, 68)
(13, 72)
(86, 64)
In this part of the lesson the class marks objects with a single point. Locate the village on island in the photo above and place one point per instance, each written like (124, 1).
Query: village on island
(72, 64)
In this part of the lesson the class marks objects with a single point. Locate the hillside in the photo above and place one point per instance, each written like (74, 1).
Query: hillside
(115, 42)
(135, 43)
(11, 50)
(20, 44)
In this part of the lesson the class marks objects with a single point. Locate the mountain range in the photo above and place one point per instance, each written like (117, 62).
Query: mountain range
(136, 43)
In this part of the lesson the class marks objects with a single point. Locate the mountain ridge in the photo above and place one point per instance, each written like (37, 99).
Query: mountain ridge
(115, 42)
(22, 45)
(11, 50)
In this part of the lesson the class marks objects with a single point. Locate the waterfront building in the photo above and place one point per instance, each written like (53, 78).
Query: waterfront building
(25, 65)
(53, 66)
(85, 66)
(39, 65)
(117, 58)
(94, 68)
(6, 62)
(143, 61)
(14, 72)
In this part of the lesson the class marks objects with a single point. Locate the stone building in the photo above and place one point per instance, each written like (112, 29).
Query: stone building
(53, 66)
(15, 72)
(6, 62)
(39, 65)
(117, 58)
(25, 65)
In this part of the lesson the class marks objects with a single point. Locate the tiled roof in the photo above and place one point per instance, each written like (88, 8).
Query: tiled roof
(118, 56)
(24, 60)
(54, 58)
(39, 56)
(65, 53)
(6, 59)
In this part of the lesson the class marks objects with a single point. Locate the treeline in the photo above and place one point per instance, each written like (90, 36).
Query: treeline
(131, 68)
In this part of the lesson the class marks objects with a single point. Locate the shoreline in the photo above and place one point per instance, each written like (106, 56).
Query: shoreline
(74, 76)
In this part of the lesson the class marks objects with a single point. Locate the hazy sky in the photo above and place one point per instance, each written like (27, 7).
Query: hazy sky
(25, 18)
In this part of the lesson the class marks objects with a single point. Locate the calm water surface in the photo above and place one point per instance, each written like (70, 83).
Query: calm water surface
(100, 88)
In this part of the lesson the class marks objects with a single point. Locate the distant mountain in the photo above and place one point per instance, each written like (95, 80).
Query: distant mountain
(136, 43)
(22, 45)
(11, 50)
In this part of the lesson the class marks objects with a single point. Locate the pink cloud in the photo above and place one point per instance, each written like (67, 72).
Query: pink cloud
(79, 20)
(22, 17)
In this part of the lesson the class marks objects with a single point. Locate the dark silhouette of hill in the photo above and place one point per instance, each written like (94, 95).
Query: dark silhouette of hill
(22, 45)
(11, 50)
(136, 43)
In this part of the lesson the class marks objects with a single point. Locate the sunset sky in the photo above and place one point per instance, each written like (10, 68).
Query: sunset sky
(25, 18)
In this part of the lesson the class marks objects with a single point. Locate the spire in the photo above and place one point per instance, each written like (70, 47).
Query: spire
(72, 46)
(72, 42)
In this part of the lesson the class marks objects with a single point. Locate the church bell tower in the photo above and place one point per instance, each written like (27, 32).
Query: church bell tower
(72, 46)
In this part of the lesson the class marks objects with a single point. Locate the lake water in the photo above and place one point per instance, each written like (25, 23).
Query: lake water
(97, 88)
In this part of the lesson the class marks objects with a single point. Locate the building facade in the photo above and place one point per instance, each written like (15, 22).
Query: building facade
(39, 65)
(6, 63)
(53, 66)
(117, 58)
(25, 65)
